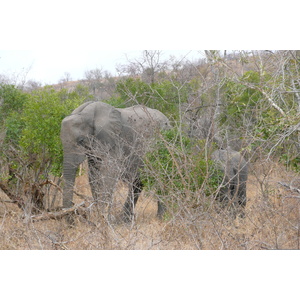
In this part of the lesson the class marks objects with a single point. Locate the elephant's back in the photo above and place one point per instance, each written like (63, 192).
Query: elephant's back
(140, 112)
(231, 158)
(140, 115)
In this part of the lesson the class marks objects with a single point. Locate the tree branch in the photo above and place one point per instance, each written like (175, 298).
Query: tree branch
(59, 214)
(290, 187)
(273, 104)
(14, 199)
(51, 183)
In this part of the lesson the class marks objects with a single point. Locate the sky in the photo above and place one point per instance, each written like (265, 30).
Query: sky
(61, 32)
(49, 66)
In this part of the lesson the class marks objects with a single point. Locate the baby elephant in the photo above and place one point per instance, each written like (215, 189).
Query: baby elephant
(233, 186)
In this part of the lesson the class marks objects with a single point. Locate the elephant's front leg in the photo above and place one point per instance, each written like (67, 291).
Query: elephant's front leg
(134, 192)
(94, 169)
(102, 182)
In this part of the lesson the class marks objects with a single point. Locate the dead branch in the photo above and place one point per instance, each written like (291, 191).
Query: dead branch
(13, 198)
(86, 198)
(291, 188)
(198, 108)
(51, 183)
(18, 200)
(59, 214)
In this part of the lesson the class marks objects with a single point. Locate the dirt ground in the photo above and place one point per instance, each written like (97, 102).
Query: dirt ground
(272, 219)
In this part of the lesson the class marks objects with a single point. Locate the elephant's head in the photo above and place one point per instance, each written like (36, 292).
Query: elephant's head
(235, 169)
(90, 121)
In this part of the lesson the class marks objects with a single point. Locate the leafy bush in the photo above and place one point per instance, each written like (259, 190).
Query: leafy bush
(32, 148)
(179, 172)
(246, 106)
(242, 103)
(42, 116)
(165, 96)
(12, 101)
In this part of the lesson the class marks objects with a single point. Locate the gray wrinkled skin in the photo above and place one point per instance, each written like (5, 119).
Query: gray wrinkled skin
(113, 141)
(234, 185)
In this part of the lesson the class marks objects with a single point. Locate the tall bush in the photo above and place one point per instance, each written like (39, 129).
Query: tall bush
(252, 112)
(12, 101)
(42, 116)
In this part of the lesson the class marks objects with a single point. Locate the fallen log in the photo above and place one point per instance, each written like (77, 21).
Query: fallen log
(79, 208)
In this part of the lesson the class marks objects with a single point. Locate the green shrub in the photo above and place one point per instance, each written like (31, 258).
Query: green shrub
(42, 116)
(177, 171)
(165, 96)
(11, 106)
(264, 127)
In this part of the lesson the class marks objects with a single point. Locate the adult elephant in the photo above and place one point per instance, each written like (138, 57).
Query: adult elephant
(113, 141)
(234, 184)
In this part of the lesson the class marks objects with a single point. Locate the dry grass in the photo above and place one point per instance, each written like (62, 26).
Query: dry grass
(271, 222)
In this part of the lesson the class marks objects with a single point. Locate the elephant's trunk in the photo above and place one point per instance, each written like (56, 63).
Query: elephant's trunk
(70, 166)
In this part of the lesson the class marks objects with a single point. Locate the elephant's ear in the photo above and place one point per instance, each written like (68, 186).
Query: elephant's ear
(107, 123)
(114, 124)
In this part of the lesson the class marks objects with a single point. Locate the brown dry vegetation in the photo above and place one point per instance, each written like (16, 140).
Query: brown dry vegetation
(272, 221)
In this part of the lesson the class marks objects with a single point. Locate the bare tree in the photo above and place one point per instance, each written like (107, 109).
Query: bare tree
(66, 77)
(95, 79)
(17, 79)
(147, 66)
(32, 85)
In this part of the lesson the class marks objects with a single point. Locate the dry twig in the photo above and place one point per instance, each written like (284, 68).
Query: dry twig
(290, 187)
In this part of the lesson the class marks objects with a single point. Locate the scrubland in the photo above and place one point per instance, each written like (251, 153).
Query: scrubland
(248, 100)
(271, 221)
